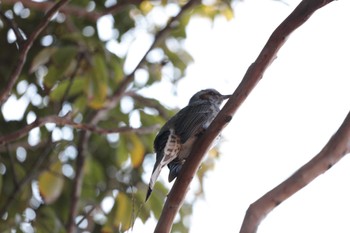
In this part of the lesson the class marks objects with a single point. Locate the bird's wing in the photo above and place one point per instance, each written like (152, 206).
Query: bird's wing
(167, 146)
(191, 120)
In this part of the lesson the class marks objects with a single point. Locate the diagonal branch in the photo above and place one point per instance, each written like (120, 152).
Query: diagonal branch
(25, 48)
(336, 148)
(13, 25)
(62, 121)
(254, 73)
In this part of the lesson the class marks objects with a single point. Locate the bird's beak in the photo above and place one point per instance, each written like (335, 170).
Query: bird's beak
(226, 96)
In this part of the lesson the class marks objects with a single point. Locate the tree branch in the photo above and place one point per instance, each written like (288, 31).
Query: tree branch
(13, 25)
(33, 172)
(62, 121)
(336, 148)
(254, 73)
(111, 103)
(78, 180)
(25, 48)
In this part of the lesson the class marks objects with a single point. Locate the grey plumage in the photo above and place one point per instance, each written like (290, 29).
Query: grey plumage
(174, 141)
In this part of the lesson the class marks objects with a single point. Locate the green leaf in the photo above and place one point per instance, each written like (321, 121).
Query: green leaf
(63, 57)
(77, 87)
(94, 178)
(122, 211)
(47, 219)
(156, 201)
(122, 150)
(98, 83)
(53, 75)
(42, 58)
(51, 183)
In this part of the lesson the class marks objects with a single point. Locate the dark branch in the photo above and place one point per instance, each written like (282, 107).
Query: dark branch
(251, 78)
(78, 180)
(13, 25)
(336, 148)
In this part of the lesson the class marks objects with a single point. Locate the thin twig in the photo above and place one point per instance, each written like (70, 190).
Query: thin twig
(16, 71)
(62, 121)
(78, 180)
(250, 80)
(32, 173)
(13, 25)
(115, 98)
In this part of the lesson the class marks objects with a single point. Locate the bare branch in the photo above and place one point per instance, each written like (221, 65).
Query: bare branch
(25, 48)
(78, 180)
(33, 172)
(13, 25)
(62, 121)
(255, 72)
(336, 148)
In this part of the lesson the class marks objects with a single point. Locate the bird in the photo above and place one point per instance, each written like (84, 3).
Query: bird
(175, 139)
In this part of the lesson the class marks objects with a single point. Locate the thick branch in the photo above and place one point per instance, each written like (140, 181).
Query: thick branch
(62, 121)
(255, 72)
(337, 147)
(25, 48)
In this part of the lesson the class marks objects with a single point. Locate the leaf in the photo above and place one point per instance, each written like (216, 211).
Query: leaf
(122, 150)
(52, 76)
(98, 83)
(42, 58)
(51, 183)
(94, 179)
(123, 211)
(76, 87)
(156, 200)
(228, 13)
(137, 151)
(63, 57)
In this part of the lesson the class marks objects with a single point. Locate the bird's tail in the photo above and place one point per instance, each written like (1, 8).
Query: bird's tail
(156, 171)
(174, 169)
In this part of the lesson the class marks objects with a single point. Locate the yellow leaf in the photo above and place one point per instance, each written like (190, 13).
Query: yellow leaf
(228, 13)
(137, 151)
(146, 6)
(123, 212)
(51, 183)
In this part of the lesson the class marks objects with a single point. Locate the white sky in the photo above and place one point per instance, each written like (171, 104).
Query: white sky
(300, 102)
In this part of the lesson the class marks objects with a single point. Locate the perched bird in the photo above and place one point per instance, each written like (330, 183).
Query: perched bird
(174, 141)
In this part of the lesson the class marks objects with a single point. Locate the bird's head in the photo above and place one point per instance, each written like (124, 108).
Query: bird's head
(210, 95)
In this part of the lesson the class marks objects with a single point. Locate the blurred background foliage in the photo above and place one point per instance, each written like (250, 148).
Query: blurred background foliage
(74, 70)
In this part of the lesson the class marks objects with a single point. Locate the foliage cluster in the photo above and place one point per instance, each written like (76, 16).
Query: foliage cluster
(82, 134)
